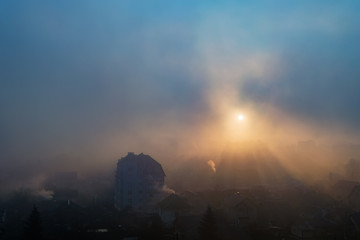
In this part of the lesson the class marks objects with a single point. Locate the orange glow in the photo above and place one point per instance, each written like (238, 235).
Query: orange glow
(240, 117)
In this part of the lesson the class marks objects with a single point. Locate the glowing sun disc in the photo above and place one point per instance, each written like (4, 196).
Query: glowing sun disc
(240, 117)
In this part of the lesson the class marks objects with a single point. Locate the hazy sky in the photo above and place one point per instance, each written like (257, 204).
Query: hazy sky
(99, 78)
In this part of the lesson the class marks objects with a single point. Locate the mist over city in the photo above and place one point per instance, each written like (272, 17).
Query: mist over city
(179, 120)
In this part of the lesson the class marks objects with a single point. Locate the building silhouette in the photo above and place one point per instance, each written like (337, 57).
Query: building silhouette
(139, 182)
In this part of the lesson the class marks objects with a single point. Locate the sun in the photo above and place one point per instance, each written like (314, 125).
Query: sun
(240, 117)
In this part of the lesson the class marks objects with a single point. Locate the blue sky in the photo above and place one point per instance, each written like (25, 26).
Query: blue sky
(87, 75)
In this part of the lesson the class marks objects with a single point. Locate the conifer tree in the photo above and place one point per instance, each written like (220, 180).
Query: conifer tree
(32, 227)
(208, 228)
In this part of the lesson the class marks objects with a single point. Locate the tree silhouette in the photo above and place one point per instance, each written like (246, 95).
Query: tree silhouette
(32, 227)
(208, 227)
(156, 230)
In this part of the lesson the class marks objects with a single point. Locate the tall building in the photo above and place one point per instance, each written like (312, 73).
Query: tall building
(139, 181)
